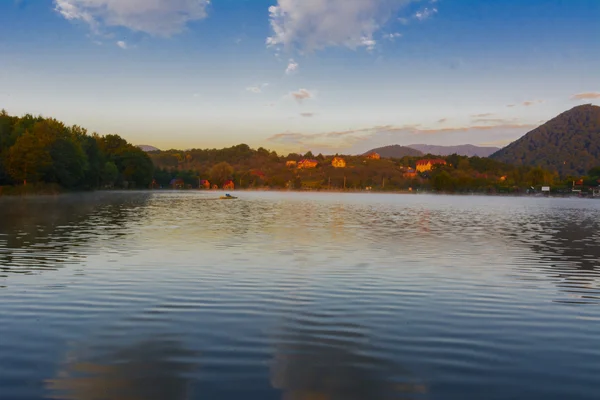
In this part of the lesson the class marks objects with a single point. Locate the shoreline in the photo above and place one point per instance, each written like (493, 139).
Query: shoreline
(55, 192)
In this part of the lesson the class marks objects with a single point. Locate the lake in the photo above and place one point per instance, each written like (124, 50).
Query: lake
(298, 296)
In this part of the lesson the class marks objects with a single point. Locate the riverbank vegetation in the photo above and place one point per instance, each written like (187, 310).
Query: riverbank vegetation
(43, 155)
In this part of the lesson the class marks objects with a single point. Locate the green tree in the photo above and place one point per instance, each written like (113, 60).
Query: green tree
(109, 173)
(68, 162)
(28, 159)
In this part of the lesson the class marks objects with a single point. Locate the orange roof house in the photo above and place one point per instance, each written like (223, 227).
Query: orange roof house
(229, 185)
(338, 162)
(373, 156)
(205, 184)
(427, 165)
(306, 163)
(409, 173)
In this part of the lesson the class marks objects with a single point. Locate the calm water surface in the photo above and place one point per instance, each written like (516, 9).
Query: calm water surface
(299, 297)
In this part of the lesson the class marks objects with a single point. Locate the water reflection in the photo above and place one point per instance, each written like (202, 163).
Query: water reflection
(45, 233)
(317, 360)
(569, 253)
(154, 369)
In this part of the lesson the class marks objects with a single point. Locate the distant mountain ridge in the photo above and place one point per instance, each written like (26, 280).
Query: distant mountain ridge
(468, 150)
(147, 148)
(416, 150)
(568, 143)
(395, 151)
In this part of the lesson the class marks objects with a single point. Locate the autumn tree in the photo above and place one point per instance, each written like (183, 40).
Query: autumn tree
(221, 172)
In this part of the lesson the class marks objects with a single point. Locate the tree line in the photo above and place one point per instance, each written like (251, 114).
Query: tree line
(39, 151)
(36, 150)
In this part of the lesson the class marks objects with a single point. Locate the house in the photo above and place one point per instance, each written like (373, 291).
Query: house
(291, 163)
(228, 185)
(204, 184)
(177, 183)
(409, 173)
(307, 163)
(338, 162)
(373, 156)
(428, 164)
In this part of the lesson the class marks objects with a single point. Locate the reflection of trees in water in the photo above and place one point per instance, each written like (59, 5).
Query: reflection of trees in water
(325, 361)
(147, 370)
(569, 247)
(44, 232)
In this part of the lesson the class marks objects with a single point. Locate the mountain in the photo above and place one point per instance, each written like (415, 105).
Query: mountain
(569, 143)
(395, 151)
(147, 148)
(462, 150)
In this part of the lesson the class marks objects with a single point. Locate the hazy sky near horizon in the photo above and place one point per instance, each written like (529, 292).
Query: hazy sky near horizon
(293, 75)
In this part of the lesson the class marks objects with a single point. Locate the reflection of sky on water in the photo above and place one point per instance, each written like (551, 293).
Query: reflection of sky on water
(153, 369)
(315, 359)
(297, 296)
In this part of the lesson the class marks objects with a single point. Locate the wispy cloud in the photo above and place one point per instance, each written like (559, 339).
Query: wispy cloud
(496, 121)
(291, 67)
(257, 88)
(532, 102)
(316, 24)
(307, 114)
(122, 44)
(441, 121)
(368, 42)
(392, 36)
(511, 105)
(425, 13)
(482, 115)
(301, 94)
(586, 96)
(156, 17)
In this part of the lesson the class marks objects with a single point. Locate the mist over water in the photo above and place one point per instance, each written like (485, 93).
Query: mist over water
(298, 296)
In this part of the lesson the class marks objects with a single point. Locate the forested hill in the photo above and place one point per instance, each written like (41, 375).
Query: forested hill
(568, 144)
(396, 151)
(37, 150)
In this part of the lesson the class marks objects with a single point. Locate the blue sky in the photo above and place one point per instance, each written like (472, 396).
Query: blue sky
(292, 75)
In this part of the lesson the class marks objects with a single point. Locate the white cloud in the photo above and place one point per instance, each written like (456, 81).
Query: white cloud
(301, 95)
(257, 88)
(122, 44)
(316, 24)
(368, 43)
(425, 13)
(156, 17)
(392, 36)
(292, 67)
